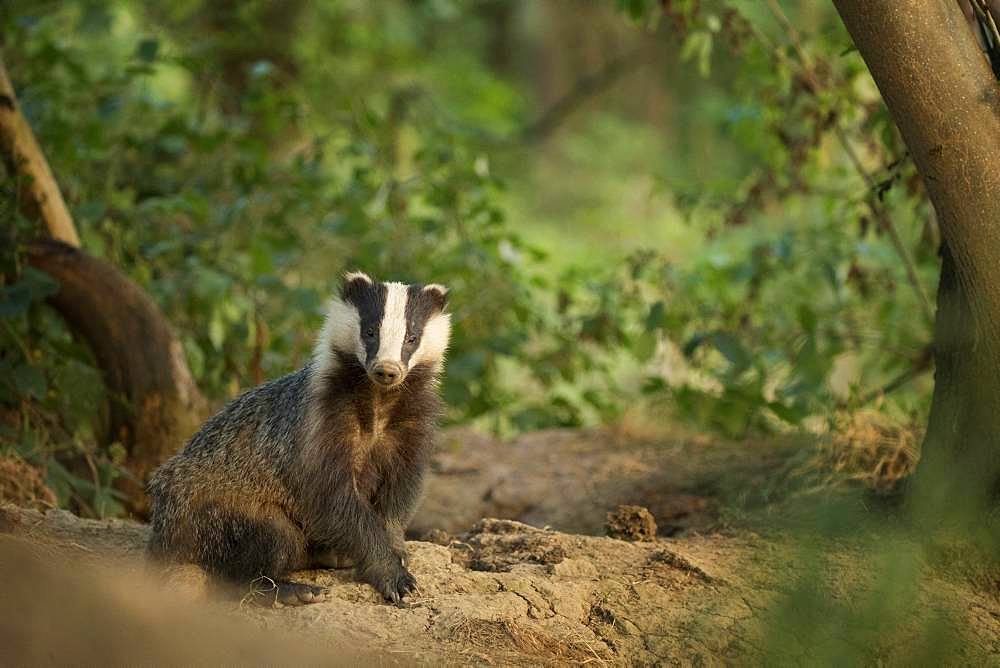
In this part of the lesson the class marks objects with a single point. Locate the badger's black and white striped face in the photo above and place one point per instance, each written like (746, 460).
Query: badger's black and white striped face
(389, 327)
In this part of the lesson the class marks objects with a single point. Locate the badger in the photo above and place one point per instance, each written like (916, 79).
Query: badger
(323, 467)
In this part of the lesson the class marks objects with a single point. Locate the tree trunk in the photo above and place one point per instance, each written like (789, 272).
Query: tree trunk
(154, 402)
(946, 102)
(38, 191)
(499, 15)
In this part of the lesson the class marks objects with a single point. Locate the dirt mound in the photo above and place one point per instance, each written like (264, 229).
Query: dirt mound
(503, 592)
(631, 523)
(57, 611)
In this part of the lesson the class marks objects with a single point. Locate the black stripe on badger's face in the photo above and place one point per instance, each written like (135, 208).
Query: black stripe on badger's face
(369, 298)
(421, 305)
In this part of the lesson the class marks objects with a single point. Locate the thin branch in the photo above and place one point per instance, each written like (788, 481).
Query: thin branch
(921, 365)
(882, 216)
(880, 212)
(40, 192)
(586, 87)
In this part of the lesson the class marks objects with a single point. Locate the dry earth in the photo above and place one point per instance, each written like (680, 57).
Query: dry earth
(499, 591)
(570, 479)
(503, 593)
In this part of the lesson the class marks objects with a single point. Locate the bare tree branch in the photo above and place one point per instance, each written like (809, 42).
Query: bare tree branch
(921, 365)
(585, 88)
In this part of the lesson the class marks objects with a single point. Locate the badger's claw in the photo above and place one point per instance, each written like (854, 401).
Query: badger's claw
(393, 583)
(407, 584)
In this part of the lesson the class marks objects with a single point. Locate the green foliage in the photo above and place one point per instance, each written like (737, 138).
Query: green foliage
(47, 417)
(238, 245)
(234, 177)
(796, 281)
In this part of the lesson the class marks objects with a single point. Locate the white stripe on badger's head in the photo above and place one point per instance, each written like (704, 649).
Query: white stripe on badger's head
(390, 328)
(339, 334)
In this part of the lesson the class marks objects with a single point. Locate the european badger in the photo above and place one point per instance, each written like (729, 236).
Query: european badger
(322, 464)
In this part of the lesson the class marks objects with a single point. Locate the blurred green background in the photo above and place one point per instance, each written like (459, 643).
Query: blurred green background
(648, 213)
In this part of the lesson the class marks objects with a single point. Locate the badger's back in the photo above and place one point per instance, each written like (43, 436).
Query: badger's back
(238, 456)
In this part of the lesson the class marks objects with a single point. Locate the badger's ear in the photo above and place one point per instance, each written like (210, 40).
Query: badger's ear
(354, 282)
(438, 294)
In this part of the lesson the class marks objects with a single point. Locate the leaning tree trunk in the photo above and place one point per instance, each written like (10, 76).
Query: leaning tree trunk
(154, 403)
(946, 102)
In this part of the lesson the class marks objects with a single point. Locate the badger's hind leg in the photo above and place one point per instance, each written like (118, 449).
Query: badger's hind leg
(257, 549)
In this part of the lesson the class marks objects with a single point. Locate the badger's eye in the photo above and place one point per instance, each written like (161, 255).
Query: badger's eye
(411, 339)
(370, 332)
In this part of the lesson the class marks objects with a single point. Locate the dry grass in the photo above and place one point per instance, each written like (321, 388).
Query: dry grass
(23, 485)
(504, 635)
(263, 592)
(865, 448)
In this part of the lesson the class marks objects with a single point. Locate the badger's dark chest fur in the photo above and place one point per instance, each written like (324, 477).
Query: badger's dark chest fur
(373, 433)
(371, 437)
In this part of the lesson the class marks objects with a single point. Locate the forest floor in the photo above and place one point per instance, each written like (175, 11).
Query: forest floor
(734, 575)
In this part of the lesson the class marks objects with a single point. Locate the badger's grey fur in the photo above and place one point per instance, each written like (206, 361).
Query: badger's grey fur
(325, 463)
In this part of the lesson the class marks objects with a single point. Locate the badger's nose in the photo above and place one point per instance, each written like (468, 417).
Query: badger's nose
(387, 373)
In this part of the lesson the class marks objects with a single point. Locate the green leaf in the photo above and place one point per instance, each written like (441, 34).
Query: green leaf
(656, 317)
(790, 414)
(33, 286)
(645, 346)
(216, 330)
(261, 259)
(807, 319)
(30, 381)
(654, 385)
(14, 301)
(698, 47)
(147, 50)
(731, 349)
(728, 345)
(635, 9)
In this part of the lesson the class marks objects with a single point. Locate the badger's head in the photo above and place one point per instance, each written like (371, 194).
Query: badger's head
(390, 328)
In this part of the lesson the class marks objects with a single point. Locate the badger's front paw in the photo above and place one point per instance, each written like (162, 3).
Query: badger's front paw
(392, 580)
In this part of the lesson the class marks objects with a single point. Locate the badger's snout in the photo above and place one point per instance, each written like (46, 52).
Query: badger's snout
(386, 373)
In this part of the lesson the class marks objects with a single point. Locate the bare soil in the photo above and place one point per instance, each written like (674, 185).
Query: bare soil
(570, 479)
(499, 591)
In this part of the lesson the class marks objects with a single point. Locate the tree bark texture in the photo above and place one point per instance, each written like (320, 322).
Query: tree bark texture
(945, 100)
